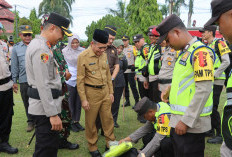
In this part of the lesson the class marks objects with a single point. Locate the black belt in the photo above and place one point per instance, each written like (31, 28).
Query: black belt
(5, 80)
(165, 81)
(34, 94)
(99, 87)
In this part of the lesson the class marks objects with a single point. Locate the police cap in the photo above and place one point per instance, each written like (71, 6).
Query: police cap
(218, 8)
(137, 37)
(100, 36)
(166, 25)
(111, 30)
(143, 106)
(25, 29)
(61, 22)
(125, 37)
(212, 28)
(149, 30)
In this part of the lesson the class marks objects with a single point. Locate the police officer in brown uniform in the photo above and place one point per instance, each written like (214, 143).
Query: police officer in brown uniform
(95, 87)
(111, 51)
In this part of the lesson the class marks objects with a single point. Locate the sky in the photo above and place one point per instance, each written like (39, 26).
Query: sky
(86, 11)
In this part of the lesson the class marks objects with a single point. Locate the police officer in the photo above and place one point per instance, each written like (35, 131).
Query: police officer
(140, 62)
(94, 84)
(45, 85)
(168, 60)
(191, 93)
(153, 65)
(221, 14)
(111, 51)
(221, 63)
(130, 52)
(6, 105)
(156, 132)
(18, 69)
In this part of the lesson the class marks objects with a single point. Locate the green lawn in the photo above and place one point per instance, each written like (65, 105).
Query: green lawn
(20, 138)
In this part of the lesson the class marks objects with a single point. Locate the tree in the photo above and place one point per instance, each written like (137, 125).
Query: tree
(35, 22)
(142, 15)
(62, 7)
(116, 21)
(190, 12)
(121, 10)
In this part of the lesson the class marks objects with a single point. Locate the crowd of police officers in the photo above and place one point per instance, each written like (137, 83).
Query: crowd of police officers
(179, 78)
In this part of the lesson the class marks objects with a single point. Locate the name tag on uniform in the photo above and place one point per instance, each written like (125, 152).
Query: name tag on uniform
(184, 58)
(92, 63)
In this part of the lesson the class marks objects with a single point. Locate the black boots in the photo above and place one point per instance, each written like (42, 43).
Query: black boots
(5, 147)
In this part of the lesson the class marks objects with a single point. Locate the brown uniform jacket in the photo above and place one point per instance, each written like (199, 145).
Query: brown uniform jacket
(92, 70)
(112, 57)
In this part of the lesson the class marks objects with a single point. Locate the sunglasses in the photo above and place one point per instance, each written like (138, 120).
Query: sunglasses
(27, 34)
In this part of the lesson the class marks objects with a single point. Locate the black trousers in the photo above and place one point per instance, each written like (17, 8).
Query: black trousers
(47, 141)
(215, 116)
(115, 106)
(129, 79)
(154, 93)
(142, 91)
(74, 103)
(166, 148)
(188, 145)
(6, 113)
(25, 98)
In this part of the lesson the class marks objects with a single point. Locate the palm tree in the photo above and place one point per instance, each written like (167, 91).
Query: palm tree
(121, 10)
(62, 7)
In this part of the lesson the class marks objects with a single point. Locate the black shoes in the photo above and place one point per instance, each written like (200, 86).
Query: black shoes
(116, 125)
(95, 153)
(127, 103)
(5, 147)
(64, 144)
(215, 140)
(76, 127)
(135, 105)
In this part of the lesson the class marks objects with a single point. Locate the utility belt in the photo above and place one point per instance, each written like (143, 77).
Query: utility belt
(93, 86)
(5, 80)
(34, 94)
(165, 81)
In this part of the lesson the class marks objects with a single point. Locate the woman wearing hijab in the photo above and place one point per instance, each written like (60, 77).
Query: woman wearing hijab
(119, 82)
(71, 53)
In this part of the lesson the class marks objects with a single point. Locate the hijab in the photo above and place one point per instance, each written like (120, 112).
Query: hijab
(71, 55)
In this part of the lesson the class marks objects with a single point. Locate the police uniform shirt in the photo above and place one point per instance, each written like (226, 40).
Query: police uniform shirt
(168, 59)
(43, 75)
(129, 53)
(203, 89)
(4, 72)
(4, 48)
(92, 70)
(112, 57)
(18, 69)
(140, 77)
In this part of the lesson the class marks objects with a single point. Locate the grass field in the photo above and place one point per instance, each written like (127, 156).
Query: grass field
(19, 137)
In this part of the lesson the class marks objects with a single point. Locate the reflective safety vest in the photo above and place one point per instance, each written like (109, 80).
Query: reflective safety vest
(141, 59)
(183, 84)
(154, 64)
(217, 62)
(162, 120)
(226, 120)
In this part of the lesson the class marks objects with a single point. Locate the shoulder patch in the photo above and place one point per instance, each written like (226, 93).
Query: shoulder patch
(44, 57)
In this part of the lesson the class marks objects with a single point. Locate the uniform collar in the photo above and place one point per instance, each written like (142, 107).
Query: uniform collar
(21, 43)
(190, 43)
(41, 38)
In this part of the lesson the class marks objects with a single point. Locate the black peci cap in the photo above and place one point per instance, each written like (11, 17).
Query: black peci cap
(143, 106)
(166, 25)
(59, 21)
(125, 37)
(137, 37)
(111, 30)
(212, 28)
(218, 8)
(100, 36)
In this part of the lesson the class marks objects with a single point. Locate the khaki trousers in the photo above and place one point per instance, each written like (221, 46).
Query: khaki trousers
(99, 102)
